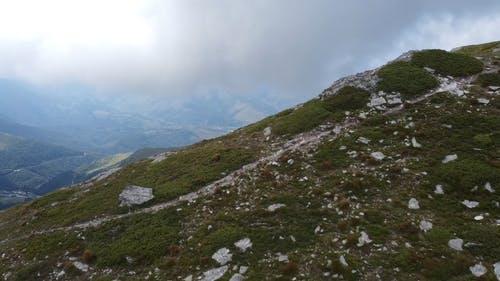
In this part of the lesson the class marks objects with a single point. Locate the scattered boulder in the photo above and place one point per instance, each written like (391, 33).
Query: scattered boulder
(363, 140)
(222, 256)
(214, 274)
(135, 195)
(470, 204)
(378, 155)
(342, 261)
(449, 158)
(456, 244)
(414, 143)
(81, 266)
(267, 132)
(275, 207)
(488, 187)
(483, 101)
(425, 225)
(363, 239)
(244, 244)
(413, 204)
(478, 270)
(439, 189)
(377, 101)
(496, 269)
(282, 258)
(237, 277)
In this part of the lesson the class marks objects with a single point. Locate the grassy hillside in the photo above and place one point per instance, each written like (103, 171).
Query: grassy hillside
(355, 185)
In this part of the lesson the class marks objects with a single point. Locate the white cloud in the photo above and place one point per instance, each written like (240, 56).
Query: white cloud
(291, 48)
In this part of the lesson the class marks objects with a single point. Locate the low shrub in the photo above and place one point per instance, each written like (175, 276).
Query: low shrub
(446, 63)
(488, 79)
(405, 78)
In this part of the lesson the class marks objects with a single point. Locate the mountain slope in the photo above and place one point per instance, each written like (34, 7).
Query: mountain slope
(391, 174)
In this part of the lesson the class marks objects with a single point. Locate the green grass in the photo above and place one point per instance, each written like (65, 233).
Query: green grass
(315, 112)
(445, 63)
(479, 50)
(488, 79)
(405, 78)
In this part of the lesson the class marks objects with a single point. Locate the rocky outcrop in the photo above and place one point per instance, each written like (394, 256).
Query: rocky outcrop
(135, 195)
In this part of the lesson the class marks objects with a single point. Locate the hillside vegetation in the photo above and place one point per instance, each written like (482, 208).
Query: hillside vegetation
(392, 174)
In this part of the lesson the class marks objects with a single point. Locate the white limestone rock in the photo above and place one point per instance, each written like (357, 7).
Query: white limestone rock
(449, 158)
(282, 258)
(413, 204)
(496, 269)
(222, 256)
(135, 195)
(488, 187)
(267, 132)
(214, 274)
(439, 189)
(425, 225)
(243, 269)
(478, 270)
(81, 266)
(377, 101)
(342, 261)
(414, 143)
(483, 101)
(456, 244)
(275, 207)
(363, 140)
(244, 244)
(470, 204)
(377, 155)
(237, 277)
(363, 239)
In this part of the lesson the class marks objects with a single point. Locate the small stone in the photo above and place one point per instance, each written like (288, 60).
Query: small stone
(81, 266)
(494, 88)
(413, 204)
(342, 261)
(222, 256)
(189, 278)
(267, 132)
(130, 260)
(450, 158)
(478, 270)
(425, 225)
(377, 155)
(483, 101)
(243, 269)
(363, 239)
(496, 269)
(414, 143)
(214, 274)
(488, 187)
(275, 207)
(479, 218)
(456, 244)
(363, 140)
(439, 189)
(282, 258)
(244, 244)
(470, 204)
(377, 101)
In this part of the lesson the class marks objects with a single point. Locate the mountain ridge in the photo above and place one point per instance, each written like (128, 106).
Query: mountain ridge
(354, 184)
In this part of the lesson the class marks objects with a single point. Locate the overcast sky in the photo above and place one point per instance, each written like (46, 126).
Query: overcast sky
(287, 48)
